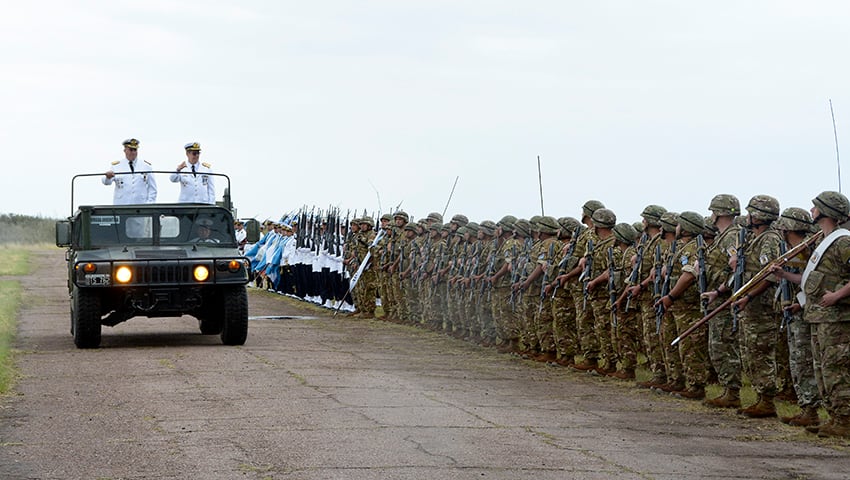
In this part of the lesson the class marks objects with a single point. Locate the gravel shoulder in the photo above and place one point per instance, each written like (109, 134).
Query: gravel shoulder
(317, 397)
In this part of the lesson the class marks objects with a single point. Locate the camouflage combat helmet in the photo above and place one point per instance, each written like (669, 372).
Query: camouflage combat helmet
(569, 225)
(534, 220)
(638, 226)
(669, 220)
(403, 215)
(435, 217)
(833, 205)
(435, 227)
(711, 229)
(725, 205)
(625, 233)
(794, 219)
(763, 207)
(460, 219)
(522, 227)
(548, 225)
(507, 223)
(652, 215)
(472, 227)
(589, 207)
(604, 218)
(387, 217)
(692, 222)
(367, 221)
(354, 221)
(488, 228)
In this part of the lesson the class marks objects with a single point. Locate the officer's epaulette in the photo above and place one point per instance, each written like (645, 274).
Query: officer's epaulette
(116, 162)
(206, 164)
(149, 163)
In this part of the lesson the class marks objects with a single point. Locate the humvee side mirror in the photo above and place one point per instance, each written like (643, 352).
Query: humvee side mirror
(63, 233)
(252, 229)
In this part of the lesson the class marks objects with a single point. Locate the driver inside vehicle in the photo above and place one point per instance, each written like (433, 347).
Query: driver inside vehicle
(205, 232)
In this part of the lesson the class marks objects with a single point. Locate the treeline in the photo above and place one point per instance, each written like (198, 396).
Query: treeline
(26, 229)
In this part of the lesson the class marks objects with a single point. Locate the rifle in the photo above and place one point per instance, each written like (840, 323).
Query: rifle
(785, 294)
(514, 273)
(545, 277)
(757, 279)
(584, 278)
(356, 277)
(665, 287)
(438, 264)
(563, 263)
(635, 275)
(426, 257)
(491, 264)
(738, 279)
(612, 287)
(702, 279)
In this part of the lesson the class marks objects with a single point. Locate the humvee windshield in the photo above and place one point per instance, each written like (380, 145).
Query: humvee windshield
(109, 228)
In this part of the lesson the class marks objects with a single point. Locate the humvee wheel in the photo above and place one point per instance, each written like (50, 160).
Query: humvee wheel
(235, 322)
(85, 319)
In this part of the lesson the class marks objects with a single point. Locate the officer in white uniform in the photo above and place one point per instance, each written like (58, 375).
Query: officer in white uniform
(196, 185)
(137, 185)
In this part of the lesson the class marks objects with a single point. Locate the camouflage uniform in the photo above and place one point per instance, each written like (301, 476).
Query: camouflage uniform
(669, 330)
(758, 321)
(723, 344)
(501, 288)
(831, 325)
(627, 332)
(598, 299)
(367, 283)
(479, 308)
(563, 308)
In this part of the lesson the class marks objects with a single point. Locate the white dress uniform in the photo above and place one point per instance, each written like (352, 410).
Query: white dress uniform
(139, 187)
(197, 186)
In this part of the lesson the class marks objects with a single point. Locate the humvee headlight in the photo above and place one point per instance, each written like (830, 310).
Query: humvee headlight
(123, 274)
(89, 268)
(201, 273)
(234, 265)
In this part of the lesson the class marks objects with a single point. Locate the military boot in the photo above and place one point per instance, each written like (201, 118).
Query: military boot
(671, 386)
(816, 428)
(586, 364)
(764, 408)
(655, 381)
(808, 416)
(840, 427)
(694, 392)
(730, 399)
(626, 374)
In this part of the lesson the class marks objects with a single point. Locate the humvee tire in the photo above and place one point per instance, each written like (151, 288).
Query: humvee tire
(85, 318)
(235, 321)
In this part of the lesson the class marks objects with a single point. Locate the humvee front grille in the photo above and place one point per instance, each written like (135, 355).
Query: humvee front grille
(169, 273)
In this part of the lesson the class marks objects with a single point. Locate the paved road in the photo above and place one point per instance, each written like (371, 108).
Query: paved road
(324, 398)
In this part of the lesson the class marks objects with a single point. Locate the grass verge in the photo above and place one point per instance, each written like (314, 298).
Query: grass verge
(10, 300)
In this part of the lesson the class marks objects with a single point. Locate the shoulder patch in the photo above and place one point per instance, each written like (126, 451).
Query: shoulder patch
(684, 259)
(763, 260)
(116, 162)
(206, 164)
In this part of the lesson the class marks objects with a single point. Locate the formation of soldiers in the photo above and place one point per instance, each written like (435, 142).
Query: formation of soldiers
(592, 294)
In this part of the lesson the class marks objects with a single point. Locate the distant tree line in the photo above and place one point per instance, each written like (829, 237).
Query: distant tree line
(26, 229)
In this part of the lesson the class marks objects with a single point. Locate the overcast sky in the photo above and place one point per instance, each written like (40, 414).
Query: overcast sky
(325, 102)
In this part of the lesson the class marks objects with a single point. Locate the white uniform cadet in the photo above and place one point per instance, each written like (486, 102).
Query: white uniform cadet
(135, 188)
(196, 185)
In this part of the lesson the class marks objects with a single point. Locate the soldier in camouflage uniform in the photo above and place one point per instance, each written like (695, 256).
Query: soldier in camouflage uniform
(643, 297)
(598, 300)
(795, 225)
(481, 264)
(563, 309)
(400, 248)
(758, 320)
(684, 294)
(523, 234)
(584, 314)
(669, 330)
(826, 287)
(350, 260)
(538, 311)
(627, 332)
(723, 340)
(500, 285)
(434, 299)
(367, 283)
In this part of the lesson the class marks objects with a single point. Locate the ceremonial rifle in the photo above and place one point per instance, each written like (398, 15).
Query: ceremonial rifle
(584, 278)
(757, 279)
(491, 265)
(702, 278)
(656, 286)
(563, 263)
(545, 277)
(634, 276)
(785, 294)
(356, 277)
(665, 287)
(612, 287)
(738, 279)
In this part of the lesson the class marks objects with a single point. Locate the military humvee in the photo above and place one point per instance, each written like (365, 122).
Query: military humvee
(154, 260)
